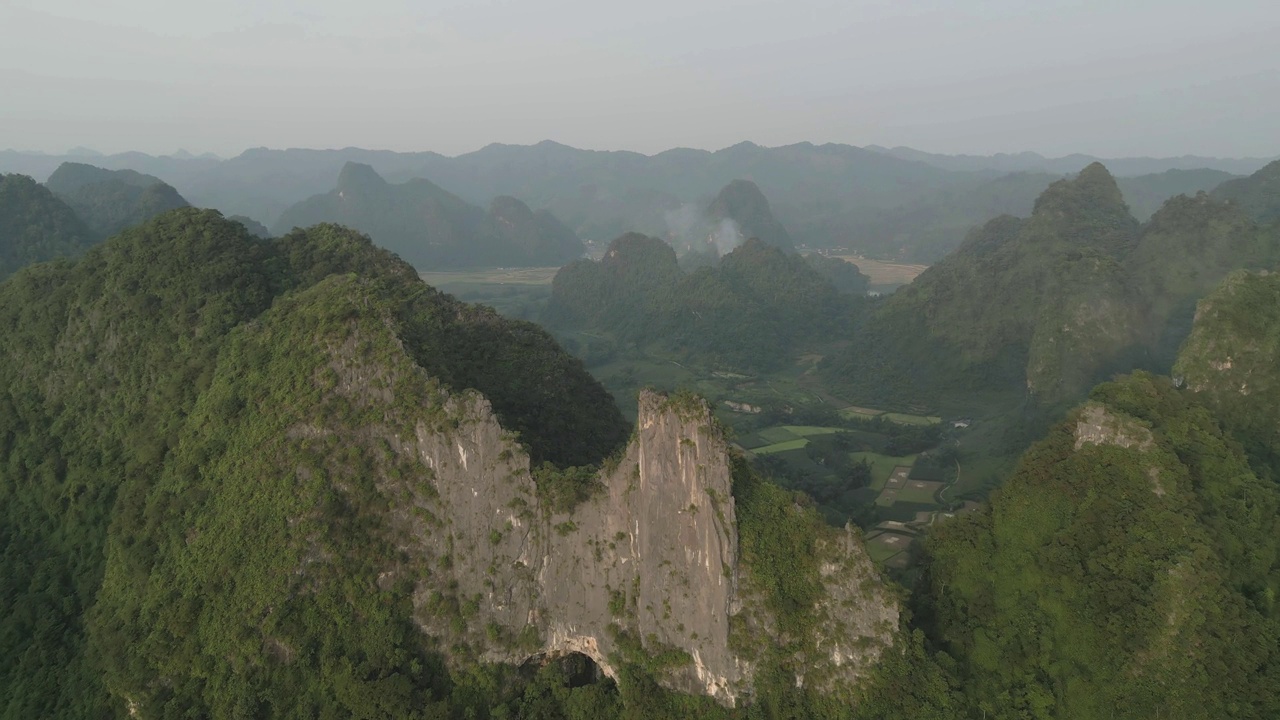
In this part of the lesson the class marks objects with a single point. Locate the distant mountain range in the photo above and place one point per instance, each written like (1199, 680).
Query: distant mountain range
(433, 228)
(889, 203)
(1035, 162)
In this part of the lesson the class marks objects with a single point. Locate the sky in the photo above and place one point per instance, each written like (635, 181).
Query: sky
(1114, 78)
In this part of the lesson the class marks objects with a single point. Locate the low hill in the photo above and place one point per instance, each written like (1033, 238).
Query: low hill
(752, 310)
(252, 226)
(742, 203)
(111, 200)
(433, 229)
(843, 275)
(1146, 194)
(36, 226)
(1258, 195)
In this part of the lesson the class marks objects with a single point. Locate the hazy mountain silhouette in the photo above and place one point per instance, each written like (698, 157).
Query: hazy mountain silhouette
(432, 228)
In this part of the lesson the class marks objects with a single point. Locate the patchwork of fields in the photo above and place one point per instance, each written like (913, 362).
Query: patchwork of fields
(891, 495)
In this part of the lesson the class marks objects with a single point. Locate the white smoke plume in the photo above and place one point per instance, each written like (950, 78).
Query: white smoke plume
(726, 236)
(690, 229)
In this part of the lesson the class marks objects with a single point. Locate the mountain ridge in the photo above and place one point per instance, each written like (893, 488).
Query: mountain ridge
(433, 228)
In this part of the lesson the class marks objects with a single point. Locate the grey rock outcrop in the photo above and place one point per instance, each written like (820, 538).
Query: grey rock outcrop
(651, 561)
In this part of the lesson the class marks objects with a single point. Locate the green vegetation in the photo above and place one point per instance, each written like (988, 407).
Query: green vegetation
(1257, 196)
(175, 361)
(111, 200)
(434, 229)
(1051, 304)
(36, 226)
(928, 228)
(562, 489)
(187, 386)
(795, 444)
(847, 469)
(1097, 566)
(751, 312)
(843, 275)
(776, 540)
(1229, 361)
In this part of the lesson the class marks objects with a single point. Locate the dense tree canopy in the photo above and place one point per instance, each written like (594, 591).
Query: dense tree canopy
(111, 362)
(1058, 301)
(752, 310)
(111, 200)
(1127, 569)
(36, 226)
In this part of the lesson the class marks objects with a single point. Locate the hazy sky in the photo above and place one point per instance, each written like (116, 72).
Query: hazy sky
(1112, 78)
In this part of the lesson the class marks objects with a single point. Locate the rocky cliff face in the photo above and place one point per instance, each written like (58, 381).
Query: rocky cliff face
(650, 563)
(1229, 359)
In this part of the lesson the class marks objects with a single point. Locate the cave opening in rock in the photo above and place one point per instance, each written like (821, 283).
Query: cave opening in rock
(577, 669)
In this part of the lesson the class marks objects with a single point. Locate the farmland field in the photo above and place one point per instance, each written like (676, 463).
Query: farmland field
(906, 419)
(807, 430)
(518, 293)
(777, 435)
(796, 444)
(491, 276)
(885, 545)
(882, 465)
(919, 491)
(854, 411)
(885, 273)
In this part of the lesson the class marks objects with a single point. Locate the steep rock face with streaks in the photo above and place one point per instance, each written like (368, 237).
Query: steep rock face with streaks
(650, 565)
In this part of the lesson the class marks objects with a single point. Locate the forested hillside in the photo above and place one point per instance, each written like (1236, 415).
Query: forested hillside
(755, 309)
(252, 477)
(1229, 362)
(108, 359)
(1258, 195)
(1055, 302)
(434, 229)
(1127, 569)
(36, 226)
(111, 200)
